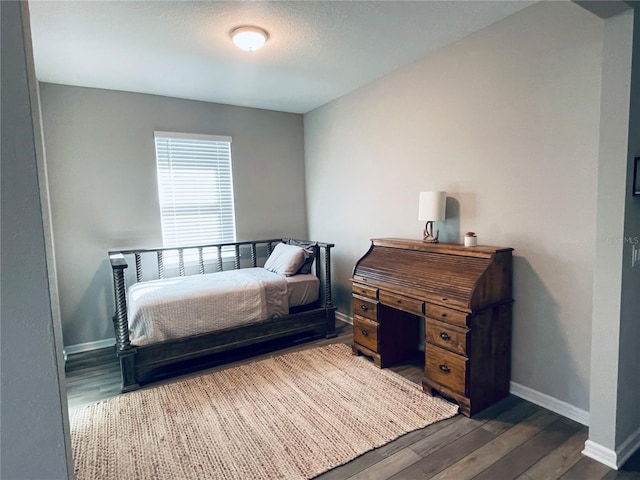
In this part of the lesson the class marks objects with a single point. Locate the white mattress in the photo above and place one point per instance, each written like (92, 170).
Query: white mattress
(302, 289)
(179, 307)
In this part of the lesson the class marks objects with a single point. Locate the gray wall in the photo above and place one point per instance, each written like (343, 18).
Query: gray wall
(629, 397)
(629, 393)
(102, 174)
(506, 121)
(615, 353)
(34, 436)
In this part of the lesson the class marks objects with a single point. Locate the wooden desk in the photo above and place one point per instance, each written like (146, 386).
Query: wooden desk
(461, 295)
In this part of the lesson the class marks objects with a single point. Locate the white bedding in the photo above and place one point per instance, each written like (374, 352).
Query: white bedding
(302, 289)
(183, 306)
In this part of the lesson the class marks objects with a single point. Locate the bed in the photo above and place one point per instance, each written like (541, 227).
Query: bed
(187, 304)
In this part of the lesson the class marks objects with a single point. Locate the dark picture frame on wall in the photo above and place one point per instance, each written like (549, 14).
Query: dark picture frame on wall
(636, 177)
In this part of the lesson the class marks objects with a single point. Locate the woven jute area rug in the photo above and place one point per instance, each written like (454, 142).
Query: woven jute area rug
(292, 416)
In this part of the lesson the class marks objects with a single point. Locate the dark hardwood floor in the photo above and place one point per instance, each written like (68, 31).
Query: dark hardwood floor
(514, 439)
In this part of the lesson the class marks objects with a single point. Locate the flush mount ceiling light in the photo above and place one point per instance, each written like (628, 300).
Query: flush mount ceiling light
(249, 38)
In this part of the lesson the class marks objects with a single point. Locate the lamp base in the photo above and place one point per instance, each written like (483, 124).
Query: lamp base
(427, 234)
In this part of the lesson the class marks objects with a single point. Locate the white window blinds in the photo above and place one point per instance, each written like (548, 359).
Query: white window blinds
(195, 185)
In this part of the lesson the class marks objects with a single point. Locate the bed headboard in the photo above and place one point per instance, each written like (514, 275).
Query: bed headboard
(221, 253)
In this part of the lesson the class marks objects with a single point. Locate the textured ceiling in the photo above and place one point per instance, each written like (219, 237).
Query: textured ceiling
(317, 50)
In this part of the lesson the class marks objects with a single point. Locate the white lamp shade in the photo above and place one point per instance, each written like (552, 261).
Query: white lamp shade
(432, 206)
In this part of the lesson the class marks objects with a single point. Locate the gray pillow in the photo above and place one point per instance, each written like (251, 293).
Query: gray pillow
(286, 259)
(310, 248)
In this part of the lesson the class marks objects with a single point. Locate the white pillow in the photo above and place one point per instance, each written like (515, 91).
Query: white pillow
(286, 259)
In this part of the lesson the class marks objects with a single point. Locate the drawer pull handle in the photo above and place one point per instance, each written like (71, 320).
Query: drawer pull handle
(444, 315)
(444, 299)
(364, 307)
(445, 336)
(364, 332)
(444, 369)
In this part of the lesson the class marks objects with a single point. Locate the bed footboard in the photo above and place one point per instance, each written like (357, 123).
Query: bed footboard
(135, 361)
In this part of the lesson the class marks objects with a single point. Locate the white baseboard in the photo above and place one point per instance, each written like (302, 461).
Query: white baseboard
(86, 347)
(592, 449)
(546, 401)
(613, 458)
(601, 454)
(345, 318)
(550, 403)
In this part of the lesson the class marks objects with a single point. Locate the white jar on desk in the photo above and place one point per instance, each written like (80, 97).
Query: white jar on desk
(470, 239)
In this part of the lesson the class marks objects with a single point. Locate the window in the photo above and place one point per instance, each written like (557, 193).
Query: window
(195, 186)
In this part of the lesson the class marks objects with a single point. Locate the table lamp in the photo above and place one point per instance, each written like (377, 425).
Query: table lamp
(431, 209)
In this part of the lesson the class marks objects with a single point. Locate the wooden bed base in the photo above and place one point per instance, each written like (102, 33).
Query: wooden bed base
(141, 364)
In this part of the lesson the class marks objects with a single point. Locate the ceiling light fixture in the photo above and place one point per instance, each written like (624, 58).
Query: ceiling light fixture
(249, 38)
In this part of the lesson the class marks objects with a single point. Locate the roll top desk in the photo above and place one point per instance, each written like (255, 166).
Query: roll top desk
(460, 297)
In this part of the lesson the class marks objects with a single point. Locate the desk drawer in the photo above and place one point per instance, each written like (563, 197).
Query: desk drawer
(447, 336)
(365, 332)
(446, 314)
(402, 303)
(446, 368)
(366, 308)
(365, 291)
